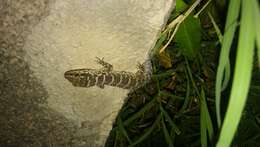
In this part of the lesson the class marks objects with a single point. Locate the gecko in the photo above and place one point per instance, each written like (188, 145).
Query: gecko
(87, 77)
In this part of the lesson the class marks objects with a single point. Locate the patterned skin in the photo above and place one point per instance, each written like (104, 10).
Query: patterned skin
(106, 76)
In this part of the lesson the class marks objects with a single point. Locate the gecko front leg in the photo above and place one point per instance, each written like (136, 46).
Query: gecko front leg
(106, 66)
(140, 70)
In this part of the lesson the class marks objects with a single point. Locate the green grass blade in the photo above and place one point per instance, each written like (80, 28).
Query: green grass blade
(227, 67)
(257, 28)
(220, 37)
(207, 118)
(203, 128)
(140, 112)
(168, 118)
(117, 138)
(168, 94)
(187, 97)
(230, 28)
(205, 121)
(191, 77)
(242, 75)
(147, 133)
(166, 135)
(122, 129)
(226, 76)
(164, 74)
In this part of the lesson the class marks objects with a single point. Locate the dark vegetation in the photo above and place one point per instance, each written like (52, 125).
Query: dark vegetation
(177, 107)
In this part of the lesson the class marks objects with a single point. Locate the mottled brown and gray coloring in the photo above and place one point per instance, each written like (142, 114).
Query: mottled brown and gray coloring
(106, 76)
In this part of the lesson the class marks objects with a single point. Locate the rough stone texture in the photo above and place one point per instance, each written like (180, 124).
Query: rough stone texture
(41, 39)
(25, 119)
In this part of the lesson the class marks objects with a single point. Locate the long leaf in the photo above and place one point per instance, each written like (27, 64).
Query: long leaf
(218, 32)
(203, 129)
(166, 135)
(187, 97)
(227, 67)
(226, 76)
(206, 114)
(230, 28)
(242, 75)
(122, 129)
(168, 118)
(140, 112)
(257, 28)
(147, 132)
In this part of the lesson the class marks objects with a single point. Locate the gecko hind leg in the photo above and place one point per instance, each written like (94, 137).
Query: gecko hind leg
(106, 66)
(141, 69)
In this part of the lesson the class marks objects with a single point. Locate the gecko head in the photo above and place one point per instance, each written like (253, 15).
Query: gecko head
(78, 77)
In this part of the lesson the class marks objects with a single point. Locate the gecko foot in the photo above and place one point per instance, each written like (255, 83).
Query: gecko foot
(141, 70)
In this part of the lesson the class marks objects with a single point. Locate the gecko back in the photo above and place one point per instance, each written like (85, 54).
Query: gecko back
(106, 76)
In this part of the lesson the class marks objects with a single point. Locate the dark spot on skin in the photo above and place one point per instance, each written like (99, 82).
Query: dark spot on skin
(108, 79)
(116, 79)
(133, 82)
(125, 79)
(100, 81)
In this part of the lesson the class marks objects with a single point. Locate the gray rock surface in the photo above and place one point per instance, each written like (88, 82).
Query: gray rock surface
(41, 39)
(25, 118)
